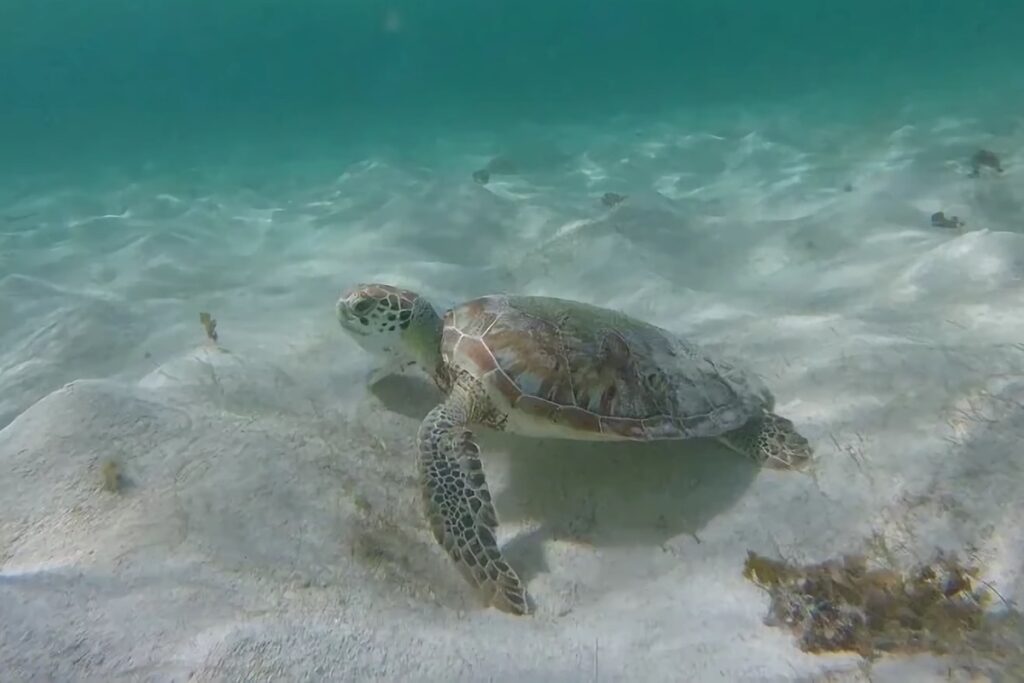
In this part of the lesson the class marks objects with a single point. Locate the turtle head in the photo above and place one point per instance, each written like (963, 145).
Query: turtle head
(398, 326)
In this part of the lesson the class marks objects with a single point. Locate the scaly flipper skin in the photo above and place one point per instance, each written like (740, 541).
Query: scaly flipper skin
(771, 440)
(458, 503)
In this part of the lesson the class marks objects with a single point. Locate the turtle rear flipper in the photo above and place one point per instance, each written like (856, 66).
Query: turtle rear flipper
(771, 440)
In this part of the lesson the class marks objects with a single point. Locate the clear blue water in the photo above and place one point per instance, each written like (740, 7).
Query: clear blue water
(108, 78)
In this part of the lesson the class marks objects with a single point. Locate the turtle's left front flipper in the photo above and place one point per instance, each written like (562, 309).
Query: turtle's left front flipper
(458, 504)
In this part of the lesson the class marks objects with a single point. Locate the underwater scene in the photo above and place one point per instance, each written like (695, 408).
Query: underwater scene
(375, 340)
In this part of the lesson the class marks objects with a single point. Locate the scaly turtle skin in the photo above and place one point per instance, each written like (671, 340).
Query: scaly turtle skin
(548, 367)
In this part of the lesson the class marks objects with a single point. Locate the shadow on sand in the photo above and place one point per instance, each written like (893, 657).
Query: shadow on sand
(612, 494)
(599, 494)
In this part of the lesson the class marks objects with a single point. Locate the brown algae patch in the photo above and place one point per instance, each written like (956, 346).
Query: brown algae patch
(394, 556)
(209, 324)
(938, 607)
(111, 476)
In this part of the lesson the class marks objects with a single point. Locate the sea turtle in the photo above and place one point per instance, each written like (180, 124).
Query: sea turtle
(549, 367)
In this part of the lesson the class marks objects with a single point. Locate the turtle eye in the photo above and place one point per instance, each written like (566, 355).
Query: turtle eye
(363, 306)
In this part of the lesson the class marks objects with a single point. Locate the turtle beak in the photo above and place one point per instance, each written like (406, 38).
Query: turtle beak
(344, 311)
(348, 319)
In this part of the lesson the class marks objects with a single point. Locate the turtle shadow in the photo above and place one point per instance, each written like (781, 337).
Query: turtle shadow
(408, 395)
(610, 494)
(591, 493)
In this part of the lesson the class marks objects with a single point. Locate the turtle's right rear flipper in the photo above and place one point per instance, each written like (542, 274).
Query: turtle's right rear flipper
(771, 440)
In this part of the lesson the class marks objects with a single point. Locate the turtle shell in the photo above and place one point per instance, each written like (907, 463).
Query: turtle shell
(557, 366)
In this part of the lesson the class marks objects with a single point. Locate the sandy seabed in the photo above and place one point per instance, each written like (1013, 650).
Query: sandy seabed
(267, 522)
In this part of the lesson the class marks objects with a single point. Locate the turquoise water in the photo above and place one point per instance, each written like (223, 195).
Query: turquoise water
(110, 77)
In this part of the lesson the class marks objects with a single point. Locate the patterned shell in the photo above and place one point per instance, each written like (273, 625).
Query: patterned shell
(592, 369)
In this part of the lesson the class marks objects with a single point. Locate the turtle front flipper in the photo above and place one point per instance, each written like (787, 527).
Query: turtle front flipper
(458, 504)
(771, 440)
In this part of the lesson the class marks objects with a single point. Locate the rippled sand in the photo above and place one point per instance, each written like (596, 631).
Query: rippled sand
(268, 520)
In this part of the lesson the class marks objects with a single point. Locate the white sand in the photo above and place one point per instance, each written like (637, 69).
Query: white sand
(269, 527)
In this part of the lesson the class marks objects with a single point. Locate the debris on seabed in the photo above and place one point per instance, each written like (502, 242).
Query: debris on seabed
(111, 473)
(938, 607)
(209, 324)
